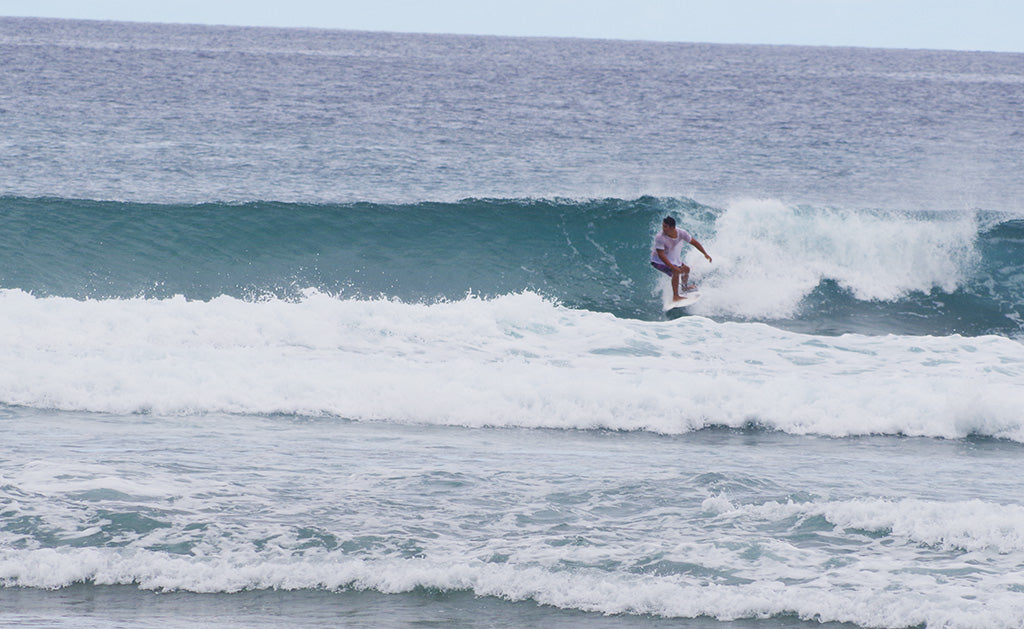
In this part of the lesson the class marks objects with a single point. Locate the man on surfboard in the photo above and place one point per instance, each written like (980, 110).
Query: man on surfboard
(667, 257)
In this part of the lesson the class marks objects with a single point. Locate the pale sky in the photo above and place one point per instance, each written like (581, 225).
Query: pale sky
(995, 25)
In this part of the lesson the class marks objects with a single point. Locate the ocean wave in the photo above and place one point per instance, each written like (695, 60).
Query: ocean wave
(772, 256)
(517, 360)
(968, 526)
(860, 592)
(816, 270)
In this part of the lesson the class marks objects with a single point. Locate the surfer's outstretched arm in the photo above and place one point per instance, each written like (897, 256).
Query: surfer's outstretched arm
(700, 247)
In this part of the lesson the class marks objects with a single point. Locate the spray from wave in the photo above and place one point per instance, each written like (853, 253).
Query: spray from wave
(771, 257)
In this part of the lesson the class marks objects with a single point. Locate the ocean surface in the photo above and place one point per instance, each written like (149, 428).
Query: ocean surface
(318, 328)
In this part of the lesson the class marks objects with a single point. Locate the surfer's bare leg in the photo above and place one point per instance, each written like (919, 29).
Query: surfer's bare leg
(681, 275)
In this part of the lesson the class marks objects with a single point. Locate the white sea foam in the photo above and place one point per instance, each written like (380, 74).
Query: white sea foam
(768, 256)
(620, 528)
(878, 599)
(517, 360)
(971, 525)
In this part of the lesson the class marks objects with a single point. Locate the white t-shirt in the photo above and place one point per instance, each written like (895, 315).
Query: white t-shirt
(671, 246)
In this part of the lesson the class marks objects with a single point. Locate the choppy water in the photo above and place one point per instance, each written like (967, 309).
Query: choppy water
(352, 328)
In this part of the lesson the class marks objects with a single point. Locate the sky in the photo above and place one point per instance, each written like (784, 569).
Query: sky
(994, 25)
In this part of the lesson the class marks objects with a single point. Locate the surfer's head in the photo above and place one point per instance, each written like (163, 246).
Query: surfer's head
(671, 222)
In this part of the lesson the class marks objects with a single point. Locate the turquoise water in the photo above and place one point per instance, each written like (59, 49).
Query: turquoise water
(327, 328)
(831, 271)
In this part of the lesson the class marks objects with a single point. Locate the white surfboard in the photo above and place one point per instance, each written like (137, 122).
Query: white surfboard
(688, 300)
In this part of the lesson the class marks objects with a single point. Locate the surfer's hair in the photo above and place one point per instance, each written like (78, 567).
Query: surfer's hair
(671, 222)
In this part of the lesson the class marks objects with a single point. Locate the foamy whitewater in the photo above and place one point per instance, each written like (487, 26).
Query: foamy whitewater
(317, 329)
(524, 361)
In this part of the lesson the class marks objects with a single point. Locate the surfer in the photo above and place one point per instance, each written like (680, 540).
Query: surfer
(666, 256)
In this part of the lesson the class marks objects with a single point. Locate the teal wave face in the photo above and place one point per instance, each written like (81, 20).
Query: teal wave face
(590, 254)
(819, 271)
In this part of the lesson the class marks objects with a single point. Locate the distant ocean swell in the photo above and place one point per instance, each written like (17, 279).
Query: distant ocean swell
(816, 270)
